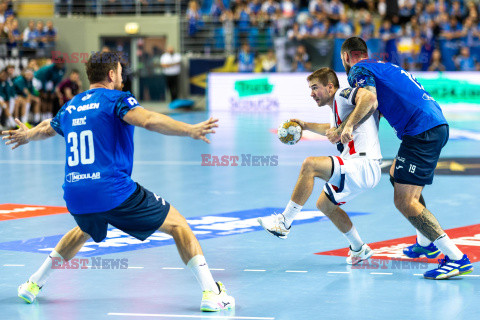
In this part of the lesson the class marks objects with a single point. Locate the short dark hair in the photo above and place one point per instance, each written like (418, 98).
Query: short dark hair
(75, 71)
(355, 45)
(325, 76)
(99, 65)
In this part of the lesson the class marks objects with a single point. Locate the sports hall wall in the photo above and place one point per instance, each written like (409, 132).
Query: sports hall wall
(83, 34)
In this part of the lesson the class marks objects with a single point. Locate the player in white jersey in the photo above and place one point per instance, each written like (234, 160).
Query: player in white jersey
(357, 168)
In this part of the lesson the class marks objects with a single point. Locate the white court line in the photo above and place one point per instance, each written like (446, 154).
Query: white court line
(418, 274)
(338, 272)
(382, 273)
(254, 270)
(299, 271)
(169, 268)
(470, 275)
(159, 315)
(217, 269)
(14, 265)
(135, 267)
(139, 162)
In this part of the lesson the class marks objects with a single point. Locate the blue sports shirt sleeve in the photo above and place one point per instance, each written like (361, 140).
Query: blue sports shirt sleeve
(55, 122)
(360, 77)
(125, 104)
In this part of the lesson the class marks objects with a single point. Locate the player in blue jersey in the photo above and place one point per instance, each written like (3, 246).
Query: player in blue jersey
(98, 127)
(419, 122)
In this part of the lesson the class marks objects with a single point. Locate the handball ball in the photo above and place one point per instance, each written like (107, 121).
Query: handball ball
(289, 132)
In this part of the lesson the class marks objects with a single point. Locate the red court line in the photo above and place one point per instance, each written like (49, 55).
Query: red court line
(10, 211)
(466, 238)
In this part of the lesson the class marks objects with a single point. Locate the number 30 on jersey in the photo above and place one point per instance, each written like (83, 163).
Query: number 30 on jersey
(81, 148)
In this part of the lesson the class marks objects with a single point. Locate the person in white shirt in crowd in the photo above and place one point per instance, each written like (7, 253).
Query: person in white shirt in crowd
(171, 63)
(29, 35)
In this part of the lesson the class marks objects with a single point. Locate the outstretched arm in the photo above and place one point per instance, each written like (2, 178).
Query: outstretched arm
(163, 124)
(319, 128)
(23, 135)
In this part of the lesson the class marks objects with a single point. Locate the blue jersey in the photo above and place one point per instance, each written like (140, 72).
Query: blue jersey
(99, 149)
(402, 100)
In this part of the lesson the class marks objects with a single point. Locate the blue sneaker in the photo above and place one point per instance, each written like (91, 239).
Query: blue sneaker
(416, 251)
(450, 268)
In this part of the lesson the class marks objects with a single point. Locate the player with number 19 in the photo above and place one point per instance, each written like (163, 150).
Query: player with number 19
(419, 122)
(98, 127)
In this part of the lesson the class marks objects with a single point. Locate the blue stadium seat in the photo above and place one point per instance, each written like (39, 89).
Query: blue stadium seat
(219, 38)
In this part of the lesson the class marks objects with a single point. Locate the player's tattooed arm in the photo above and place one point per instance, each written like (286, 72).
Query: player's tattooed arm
(427, 224)
(23, 135)
(319, 128)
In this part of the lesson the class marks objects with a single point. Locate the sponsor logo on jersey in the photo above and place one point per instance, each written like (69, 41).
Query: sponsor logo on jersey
(345, 92)
(360, 82)
(466, 238)
(79, 121)
(70, 108)
(89, 106)
(204, 227)
(86, 97)
(132, 101)
(84, 107)
(75, 176)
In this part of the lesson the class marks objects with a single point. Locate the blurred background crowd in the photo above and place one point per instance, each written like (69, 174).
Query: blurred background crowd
(243, 35)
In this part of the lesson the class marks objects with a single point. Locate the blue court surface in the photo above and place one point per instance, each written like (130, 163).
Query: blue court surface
(270, 278)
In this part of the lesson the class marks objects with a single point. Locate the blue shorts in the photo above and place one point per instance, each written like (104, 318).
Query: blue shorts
(139, 216)
(418, 156)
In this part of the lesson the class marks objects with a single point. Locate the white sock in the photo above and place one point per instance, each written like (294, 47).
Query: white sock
(422, 240)
(290, 212)
(40, 277)
(11, 122)
(24, 118)
(11, 105)
(353, 237)
(200, 270)
(448, 248)
(36, 117)
(27, 107)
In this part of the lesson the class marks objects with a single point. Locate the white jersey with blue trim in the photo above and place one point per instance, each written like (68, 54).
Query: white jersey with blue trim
(99, 149)
(365, 141)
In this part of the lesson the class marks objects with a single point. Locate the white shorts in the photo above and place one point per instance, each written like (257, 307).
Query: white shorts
(351, 177)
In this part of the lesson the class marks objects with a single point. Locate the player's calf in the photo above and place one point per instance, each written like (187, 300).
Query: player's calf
(214, 296)
(358, 250)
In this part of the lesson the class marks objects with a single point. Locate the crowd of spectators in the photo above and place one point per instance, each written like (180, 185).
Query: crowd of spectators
(34, 93)
(410, 30)
(15, 42)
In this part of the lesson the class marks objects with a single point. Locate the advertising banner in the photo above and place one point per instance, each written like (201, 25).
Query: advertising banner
(289, 92)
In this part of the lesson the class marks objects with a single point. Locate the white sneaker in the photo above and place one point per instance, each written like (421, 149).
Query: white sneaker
(216, 302)
(28, 291)
(275, 224)
(355, 257)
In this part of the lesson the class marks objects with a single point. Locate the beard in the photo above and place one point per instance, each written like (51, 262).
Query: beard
(347, 69)
(118, 87)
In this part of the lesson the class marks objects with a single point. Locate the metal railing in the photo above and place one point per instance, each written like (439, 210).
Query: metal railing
(213, 37)
(119, 7)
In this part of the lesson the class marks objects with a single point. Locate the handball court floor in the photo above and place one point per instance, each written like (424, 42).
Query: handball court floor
(269, 277)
